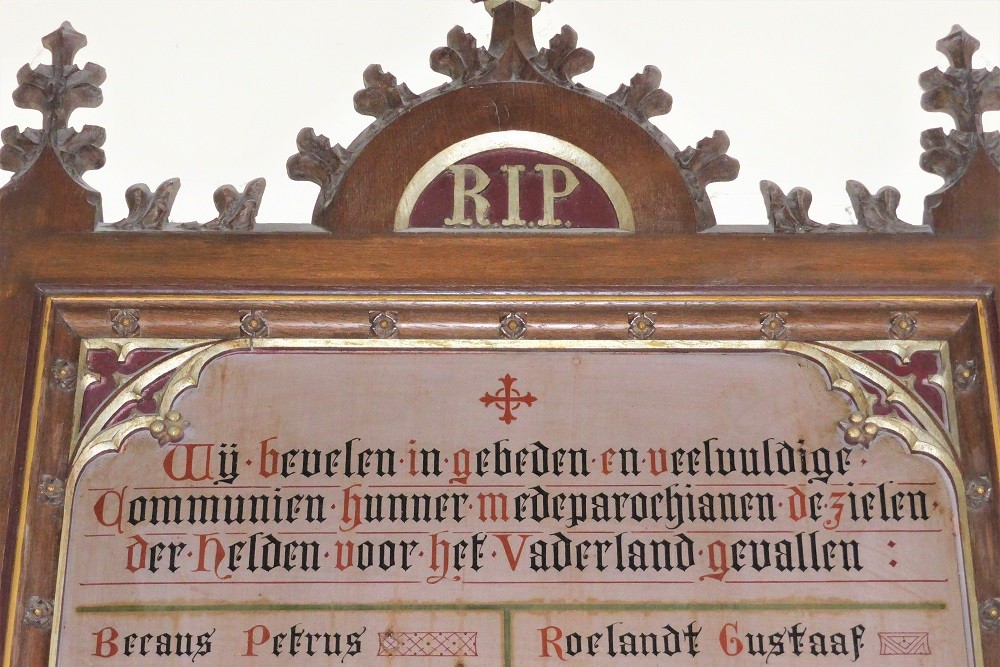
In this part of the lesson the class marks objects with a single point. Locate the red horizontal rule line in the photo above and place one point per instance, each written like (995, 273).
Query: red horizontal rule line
(738, 486)
(759, 531)
(887, 530)
(201, 487)
(876, 483)
(647, 582)
(622, 485)
(573, 581)
(457, 485)
(840, 581)
(245, 583)
(502, 531)
(444, 486)
(723, 532)
(852, 484)
(337, 532)
(508, 527)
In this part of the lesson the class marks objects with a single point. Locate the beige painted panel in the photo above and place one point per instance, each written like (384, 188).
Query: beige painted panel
(633, 525)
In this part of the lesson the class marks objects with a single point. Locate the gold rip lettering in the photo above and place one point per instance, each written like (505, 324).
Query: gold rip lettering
(464, 191)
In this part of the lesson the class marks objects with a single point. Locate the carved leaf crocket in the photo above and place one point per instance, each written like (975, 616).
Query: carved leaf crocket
(563, 59)
(462, 59)
(317, 161)
(790, 213)
(708, 163)
(877, 213)
(237, 210)
(381, 96)
(643, 97)
(147, 210)
(945, 154)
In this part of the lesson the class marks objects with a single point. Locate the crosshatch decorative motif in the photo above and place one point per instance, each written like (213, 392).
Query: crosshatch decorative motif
(427, 644)
(904, 643)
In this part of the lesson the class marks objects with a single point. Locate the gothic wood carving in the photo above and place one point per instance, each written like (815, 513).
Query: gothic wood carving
(789, 214)
(36, 155)
(148, 211)
(669, 193)
(967, 158)
(877, 213)
(150, 282)
(237, 210)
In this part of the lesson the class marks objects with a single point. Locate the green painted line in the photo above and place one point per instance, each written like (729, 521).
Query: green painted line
(508, 640)
(508, 608)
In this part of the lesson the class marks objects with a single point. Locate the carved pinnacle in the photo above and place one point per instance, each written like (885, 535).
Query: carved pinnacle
(512, 41)
(56, 91)
(491, 5)
(59, 89)
(962, 92)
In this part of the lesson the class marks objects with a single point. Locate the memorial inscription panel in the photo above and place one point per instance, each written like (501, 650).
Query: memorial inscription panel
(476, 503)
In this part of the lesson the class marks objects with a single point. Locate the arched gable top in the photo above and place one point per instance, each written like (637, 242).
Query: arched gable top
(611, 157)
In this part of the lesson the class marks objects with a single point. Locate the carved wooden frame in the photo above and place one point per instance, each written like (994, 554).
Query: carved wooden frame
(64, 317)
(61, 283)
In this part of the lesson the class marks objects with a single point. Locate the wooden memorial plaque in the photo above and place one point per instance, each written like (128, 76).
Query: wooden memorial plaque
(512, 403)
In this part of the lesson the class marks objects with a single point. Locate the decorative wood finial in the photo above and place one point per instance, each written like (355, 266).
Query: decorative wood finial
(491, 5)
(962, 92)
(56, 91)
(967, 158)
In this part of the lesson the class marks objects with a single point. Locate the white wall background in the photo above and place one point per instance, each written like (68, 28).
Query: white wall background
(811, 92)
